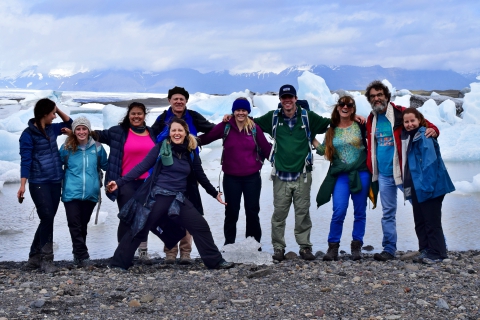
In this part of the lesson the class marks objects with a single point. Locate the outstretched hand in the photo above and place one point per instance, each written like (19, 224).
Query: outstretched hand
(219, 199)
(112, 186)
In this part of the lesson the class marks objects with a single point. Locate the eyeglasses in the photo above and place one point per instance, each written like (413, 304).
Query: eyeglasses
(378, 95)
(343, 104)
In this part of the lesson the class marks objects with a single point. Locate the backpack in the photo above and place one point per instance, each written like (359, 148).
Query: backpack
(100, 175)
(260, 157)
(306, 126)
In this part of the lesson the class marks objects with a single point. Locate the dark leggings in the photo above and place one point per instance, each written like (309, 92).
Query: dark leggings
(78, 216)
(46, 197)
(234, 186)
(190, 218)
(125, 193)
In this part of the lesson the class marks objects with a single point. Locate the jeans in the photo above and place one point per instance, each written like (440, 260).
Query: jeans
(78, 216)
(46, 197)
(340, 197)
(388, 198)
(233, 187)
(284, 192)
(190, 218)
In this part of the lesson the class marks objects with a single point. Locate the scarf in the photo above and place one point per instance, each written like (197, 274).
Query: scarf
(140, 129)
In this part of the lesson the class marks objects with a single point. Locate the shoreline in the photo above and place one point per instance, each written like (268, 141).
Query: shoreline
(292, 289)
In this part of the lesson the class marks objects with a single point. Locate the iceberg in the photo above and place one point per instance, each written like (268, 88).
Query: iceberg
(463, 187)
(314, 89)
(246, 251)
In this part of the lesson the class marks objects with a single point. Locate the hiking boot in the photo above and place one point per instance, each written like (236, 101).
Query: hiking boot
(278, 254)
(82, 262)
(185, 259)
(421, 256)
(170, 259)
(225, 265)
(143, 256)
(47, 265)
(356, 248)
(306, 254)
(383, 256)
(332, 253)
(34, 261)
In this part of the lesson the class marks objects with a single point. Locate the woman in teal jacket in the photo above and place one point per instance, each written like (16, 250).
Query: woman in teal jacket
(82, 158)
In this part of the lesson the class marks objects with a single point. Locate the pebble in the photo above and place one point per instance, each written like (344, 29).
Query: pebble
(134, 303)
(37, 303)
(442, 304)
(147, 298)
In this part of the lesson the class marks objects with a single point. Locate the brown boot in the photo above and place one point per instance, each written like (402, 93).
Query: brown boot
(34, 261)
(185, 259)
(332, 253)
(170, 259)
(356, 247)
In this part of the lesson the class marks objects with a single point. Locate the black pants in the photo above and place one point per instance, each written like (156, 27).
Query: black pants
(233, 187)
(428, 226)
(46, 197)
(190, 218)
(78, 216)
(125, 193)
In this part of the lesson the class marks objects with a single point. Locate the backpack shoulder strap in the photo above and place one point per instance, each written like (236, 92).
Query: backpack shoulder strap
(225, 134)
(271, 157)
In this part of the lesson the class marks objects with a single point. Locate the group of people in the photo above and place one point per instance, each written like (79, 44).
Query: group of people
(154, 172)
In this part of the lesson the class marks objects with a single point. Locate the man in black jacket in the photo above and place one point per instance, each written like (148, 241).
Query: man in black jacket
(178, 98)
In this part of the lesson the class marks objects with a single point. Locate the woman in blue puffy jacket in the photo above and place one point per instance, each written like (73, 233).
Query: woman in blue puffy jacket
(41, 165)
(425, 182)
(82, 158)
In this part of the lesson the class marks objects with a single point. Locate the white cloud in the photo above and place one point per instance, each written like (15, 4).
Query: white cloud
(63, 38)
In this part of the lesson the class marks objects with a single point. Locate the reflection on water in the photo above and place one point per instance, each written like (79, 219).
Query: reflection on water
(461, 221)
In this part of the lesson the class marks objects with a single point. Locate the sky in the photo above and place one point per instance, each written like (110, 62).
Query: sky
(64, 37)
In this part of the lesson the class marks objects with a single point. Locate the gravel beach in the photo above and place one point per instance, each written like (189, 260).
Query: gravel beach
(292, 289)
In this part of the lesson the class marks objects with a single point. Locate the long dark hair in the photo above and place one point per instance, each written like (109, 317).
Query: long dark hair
(125, 123)
(335, 120)
(42, 108)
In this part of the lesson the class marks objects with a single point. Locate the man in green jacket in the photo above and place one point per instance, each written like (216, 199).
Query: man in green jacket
(292, 177)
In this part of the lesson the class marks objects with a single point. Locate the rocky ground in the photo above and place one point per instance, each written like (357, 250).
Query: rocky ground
(292, 289)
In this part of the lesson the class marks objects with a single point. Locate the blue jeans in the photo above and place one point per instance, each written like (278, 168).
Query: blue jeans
(388, 197)
(340, 197)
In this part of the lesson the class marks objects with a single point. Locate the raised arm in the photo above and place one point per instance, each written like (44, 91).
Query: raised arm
(214, 134)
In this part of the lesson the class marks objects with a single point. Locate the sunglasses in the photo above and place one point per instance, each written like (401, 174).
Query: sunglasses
(343, 104)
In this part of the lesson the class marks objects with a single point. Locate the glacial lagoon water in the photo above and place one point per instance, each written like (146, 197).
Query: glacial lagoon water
(461, 220)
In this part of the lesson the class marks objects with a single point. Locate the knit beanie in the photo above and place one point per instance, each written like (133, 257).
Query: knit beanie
(81, 121)
(241, 104)
(178, 90)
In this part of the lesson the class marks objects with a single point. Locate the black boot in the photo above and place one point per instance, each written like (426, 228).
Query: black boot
(34, 261)
(332, 253)
(47, 265)
(356, 247)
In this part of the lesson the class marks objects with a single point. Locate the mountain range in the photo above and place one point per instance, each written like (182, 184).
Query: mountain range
(337, 77)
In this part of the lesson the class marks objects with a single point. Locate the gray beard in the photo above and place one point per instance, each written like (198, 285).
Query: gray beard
(379, 108)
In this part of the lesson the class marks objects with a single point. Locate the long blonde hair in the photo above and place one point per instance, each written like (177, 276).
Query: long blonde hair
(249, 124)
(192, 142)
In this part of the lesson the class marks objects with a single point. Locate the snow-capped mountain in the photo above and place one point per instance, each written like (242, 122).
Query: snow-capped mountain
(337, 77)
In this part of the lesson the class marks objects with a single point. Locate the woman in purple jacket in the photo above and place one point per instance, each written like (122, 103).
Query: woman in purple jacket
(244, 148)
